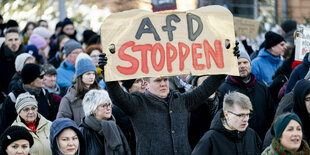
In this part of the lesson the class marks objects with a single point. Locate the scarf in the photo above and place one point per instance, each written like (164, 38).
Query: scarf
(148, 93)
(32, 126)
(32, 91)
(53, 90)
(106, 128)
(303, 149)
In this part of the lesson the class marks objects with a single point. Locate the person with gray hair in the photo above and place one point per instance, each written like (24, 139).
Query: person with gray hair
(98, 127)
(229, 132)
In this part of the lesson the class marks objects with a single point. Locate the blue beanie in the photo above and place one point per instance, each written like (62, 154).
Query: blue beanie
(84, 65)
(283, 121)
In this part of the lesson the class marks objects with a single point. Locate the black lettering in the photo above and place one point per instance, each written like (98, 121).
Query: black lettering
(151, 29)
(191, 35)
(168, 26)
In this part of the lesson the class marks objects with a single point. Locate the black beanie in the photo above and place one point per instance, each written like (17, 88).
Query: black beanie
(272, 39)
(30, 72)
(14, 133)
(66, 21)
(128, 83)
(289, 25)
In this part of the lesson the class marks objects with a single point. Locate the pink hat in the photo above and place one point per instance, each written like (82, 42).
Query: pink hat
(37, 41)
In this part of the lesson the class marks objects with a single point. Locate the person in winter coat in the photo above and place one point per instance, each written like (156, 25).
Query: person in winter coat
(38, 126)
(15, 140)
(168, 110)
(259, 94)
(9, 50)
(229, 132)
(201, 117)
(98, 127)
(298, 73)
(32, 82)
(66, 138)
(59, 56)
(71, 104)
(269, 58)
(20, 61)
(66, 69)
(288, 137)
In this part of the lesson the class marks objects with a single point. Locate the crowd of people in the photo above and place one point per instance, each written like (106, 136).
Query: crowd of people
(54, 100)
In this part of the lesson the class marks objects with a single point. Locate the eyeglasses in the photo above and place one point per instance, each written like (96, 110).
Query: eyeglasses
(105, 106)
(242, 116)
(26, 110)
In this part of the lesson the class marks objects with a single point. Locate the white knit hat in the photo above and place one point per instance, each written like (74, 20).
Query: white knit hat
(23, 100)
(20, 61)
(42, 31)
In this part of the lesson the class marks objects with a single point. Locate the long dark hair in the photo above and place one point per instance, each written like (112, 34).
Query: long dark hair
(81, 88)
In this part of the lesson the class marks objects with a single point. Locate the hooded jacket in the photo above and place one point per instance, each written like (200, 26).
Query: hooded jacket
(57, 127)
(219, 140)
(301, 90)
(259, 94)
(265, 66)
(65, 74)
(7, 65)
(298, 73)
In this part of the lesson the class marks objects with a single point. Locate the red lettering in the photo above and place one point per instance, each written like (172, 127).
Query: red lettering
(217, 55)
(196, 56)
(158, 47)
(182, 56)
(123, 56)
(143, 49)
(170, 58)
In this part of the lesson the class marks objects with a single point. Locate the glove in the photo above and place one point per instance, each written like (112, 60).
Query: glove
(236, 50)
(102, 60)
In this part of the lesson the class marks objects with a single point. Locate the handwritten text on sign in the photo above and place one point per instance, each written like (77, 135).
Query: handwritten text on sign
(168, 43)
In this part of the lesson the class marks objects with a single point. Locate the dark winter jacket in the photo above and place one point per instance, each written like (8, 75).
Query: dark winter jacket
(45, 107)
(14, 82)
(57, 127)
(298, 73)
(96, 143)
(7, 65)
(262, 103)
(161, 126)
(219, 140)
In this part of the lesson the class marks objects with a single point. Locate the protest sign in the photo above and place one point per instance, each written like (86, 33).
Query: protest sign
(246, 27)
(302, 43)
(169, 43)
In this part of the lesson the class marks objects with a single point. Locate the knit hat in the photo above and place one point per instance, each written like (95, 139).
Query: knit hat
(282, 122)
(12, 134)
(20, 61)
(30, 72)
(42, 31)
(128, 83)
(49, 69)
(81, 56)
(23, 100)
(272, 39)
(245, 55)
(66, 21)
(289, 25)
(33, 50)
(37, 41)
(71, 45)
(83, 66)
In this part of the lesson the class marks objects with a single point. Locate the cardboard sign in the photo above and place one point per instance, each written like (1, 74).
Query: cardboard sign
(246, 27)
(302, 43)
(169, 43)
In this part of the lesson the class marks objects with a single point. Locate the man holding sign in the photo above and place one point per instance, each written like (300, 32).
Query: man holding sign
(154, 46)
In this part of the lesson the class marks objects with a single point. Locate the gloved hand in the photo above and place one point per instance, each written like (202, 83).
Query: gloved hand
(236, 49)
(103, 60)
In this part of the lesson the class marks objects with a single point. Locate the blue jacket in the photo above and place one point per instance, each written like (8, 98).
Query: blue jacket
(298, 73)
(65, 74)
(57, 127)
(264, 66)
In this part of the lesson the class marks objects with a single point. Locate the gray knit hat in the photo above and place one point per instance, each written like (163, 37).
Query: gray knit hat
(20, 61)
(245, 55)
(71, 45)
(25, 99)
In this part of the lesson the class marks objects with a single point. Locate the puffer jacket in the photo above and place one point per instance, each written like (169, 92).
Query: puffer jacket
(41, 139)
